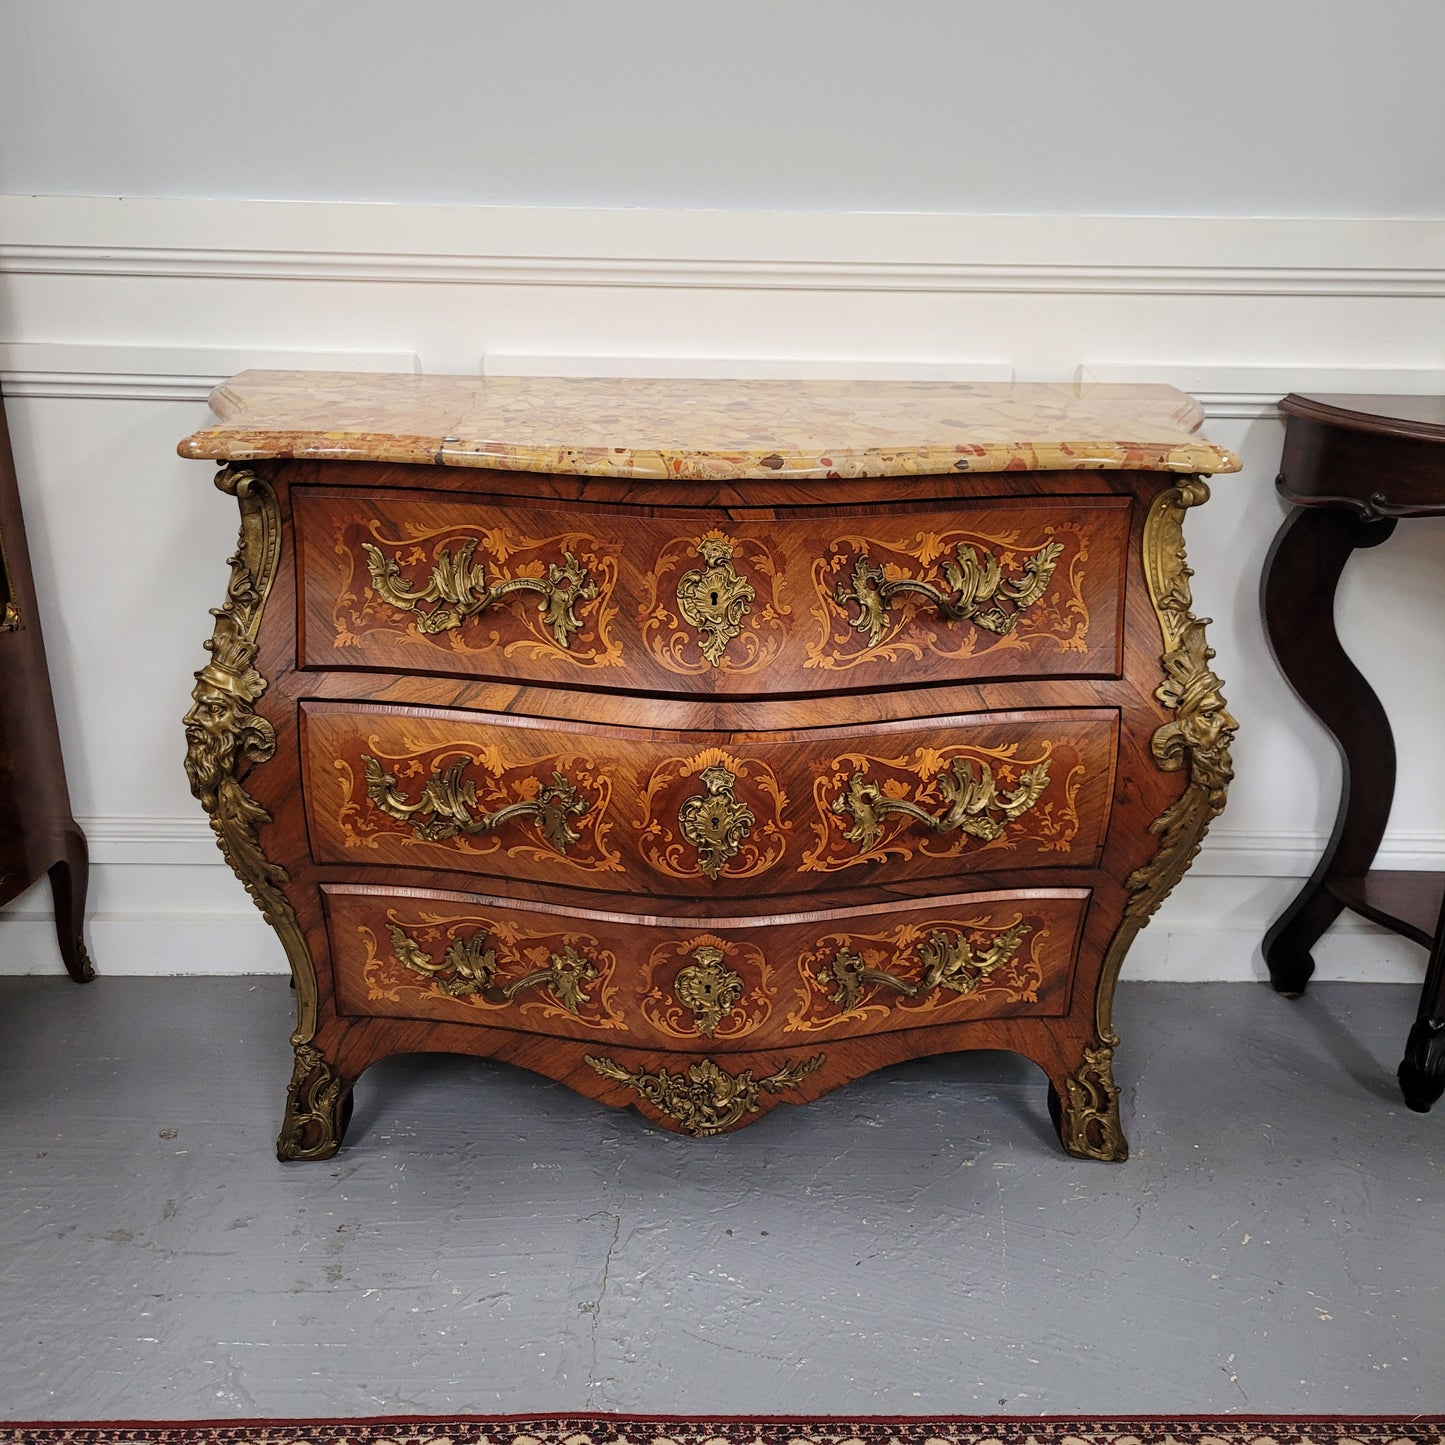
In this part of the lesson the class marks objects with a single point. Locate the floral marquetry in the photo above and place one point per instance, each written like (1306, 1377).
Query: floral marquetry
(1013, 961)
(387, 794)
(479, 965)
(963, 800)
(507, 584)
(948, 594)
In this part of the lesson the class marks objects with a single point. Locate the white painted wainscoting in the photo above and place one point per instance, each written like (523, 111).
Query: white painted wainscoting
(117, 316)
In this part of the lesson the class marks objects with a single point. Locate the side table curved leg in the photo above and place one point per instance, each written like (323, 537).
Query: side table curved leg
(1301, 576)
(1422, 1071)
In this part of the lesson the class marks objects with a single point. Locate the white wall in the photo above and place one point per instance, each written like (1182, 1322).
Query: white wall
(1243, 199)
(1130, 107)
(118, 314)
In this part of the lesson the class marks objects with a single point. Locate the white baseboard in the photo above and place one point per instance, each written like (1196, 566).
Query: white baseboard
(145, 945)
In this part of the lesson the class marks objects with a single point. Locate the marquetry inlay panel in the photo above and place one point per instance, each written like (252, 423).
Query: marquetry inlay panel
(756, 605)
(667, 983)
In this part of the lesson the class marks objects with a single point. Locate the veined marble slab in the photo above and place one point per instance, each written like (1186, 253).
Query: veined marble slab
(689, 430)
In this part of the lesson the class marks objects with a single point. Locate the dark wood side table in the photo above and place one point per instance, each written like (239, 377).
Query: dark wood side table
(38, 835)
(1353, 467)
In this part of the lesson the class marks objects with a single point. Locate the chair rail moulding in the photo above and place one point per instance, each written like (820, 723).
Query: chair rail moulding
(538, 246)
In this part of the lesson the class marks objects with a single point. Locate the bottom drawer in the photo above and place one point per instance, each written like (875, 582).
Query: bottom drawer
(714, 983)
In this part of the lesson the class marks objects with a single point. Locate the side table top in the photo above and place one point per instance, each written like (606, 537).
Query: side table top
(1419, 417)
(683, 430)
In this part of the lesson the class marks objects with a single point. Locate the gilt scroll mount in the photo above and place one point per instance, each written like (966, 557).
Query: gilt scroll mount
(705, 1099)
(469, 967)
(947, 961)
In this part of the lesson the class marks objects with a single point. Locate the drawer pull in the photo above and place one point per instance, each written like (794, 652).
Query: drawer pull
(975, 806)
(565, 974)
(705, 1099)
(948, 962)
(714, 822)
(978, 592)
(469, 967)
(447, 800)
(849, 976)
(714, 599)
(464, 969)
(459, 590)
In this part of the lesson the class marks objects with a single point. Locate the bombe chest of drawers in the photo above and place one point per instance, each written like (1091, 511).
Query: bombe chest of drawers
(706, 745)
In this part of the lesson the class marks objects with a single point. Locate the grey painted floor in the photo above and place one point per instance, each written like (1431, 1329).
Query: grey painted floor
(914, 1243)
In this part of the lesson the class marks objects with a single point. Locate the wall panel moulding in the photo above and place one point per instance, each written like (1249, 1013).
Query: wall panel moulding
(1246, 390)
(162, 373)
(562, 246)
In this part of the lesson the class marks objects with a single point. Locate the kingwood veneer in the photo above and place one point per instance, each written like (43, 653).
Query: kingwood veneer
(706, 745)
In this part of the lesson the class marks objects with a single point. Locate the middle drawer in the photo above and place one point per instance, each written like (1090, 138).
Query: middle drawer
(703, 814)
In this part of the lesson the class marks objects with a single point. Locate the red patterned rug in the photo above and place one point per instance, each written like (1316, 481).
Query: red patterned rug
(733, 1430)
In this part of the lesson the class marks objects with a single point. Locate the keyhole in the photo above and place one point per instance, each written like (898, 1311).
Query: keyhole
(715, 597)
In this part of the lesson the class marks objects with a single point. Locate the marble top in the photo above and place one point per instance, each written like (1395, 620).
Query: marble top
(685, 430)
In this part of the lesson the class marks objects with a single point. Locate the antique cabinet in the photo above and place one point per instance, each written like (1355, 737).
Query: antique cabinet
(706, 745)
(38, 835)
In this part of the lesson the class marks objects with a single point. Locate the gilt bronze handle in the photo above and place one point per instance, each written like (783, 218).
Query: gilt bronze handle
(948, 962)
(469, 967)
(445, 807)
(849, 976)
(465, 968)
(565, 974)
(977, 591)
(974, 804)
(459, 590)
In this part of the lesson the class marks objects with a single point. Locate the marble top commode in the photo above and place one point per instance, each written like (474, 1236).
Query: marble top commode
(688, 430)
(706, 745)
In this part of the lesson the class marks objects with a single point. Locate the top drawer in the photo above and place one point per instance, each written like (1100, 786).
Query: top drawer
(1001, 588)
